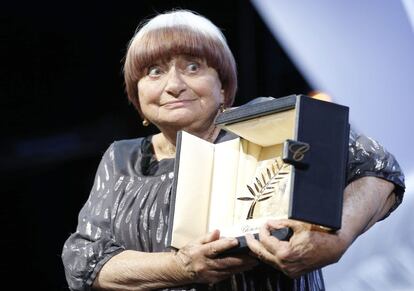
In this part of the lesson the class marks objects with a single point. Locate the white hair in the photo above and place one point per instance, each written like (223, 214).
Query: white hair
(185, 18)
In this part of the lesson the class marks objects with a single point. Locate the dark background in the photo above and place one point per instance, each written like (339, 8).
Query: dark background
(63, 103)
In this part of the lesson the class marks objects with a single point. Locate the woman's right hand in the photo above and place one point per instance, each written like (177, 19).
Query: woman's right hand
(201, 262)
(197, 262)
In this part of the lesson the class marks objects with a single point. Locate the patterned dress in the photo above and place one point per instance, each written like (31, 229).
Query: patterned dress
(129, 205)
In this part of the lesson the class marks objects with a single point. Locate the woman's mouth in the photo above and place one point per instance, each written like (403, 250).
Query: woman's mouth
(177, 103)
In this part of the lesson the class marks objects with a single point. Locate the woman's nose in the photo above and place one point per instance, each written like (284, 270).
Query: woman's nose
(175, 84)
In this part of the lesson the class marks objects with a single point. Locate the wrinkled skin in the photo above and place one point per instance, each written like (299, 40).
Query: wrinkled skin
(366, 201)
(305, 251)
(200, 259)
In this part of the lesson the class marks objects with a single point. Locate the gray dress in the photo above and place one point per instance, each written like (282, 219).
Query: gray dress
(129, 204)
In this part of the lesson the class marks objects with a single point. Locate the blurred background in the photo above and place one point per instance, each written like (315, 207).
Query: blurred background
(63, 103)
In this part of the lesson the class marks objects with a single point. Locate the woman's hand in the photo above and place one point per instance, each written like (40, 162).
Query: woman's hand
(197, 262)
(201, 261)
(306, 250)
(366, 200)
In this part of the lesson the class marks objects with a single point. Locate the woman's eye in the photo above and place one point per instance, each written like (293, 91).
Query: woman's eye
(154, 71)
(193, 67)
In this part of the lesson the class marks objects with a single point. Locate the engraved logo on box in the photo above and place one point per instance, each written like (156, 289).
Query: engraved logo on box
(298, 151)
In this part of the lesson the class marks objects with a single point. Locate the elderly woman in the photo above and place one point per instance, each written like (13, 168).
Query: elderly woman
(179, 74)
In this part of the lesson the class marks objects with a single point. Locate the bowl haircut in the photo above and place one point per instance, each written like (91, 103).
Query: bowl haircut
(180, 32)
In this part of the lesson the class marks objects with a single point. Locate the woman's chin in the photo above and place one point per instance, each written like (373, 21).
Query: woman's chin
(178, 122)
(187, 123)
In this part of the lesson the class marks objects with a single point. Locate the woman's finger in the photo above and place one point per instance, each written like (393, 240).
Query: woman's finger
(243, 261)
(271, 243)
(277, 224)
(259, 250)
(214, 248)
(209, 237)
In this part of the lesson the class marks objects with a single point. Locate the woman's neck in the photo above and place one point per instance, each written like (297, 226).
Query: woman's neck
(164, 143)
(164, 148)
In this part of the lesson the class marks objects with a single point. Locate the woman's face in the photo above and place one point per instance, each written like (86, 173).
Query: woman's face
(181, 93)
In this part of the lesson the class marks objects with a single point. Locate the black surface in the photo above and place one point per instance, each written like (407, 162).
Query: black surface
(282, 234)
(318, 189)
(249, 111)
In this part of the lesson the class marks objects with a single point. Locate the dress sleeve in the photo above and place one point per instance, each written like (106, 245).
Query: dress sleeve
(92, 245)
(369, 158)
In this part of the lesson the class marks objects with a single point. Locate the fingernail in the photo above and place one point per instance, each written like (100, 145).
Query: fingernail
(232, 239)
(249, 235)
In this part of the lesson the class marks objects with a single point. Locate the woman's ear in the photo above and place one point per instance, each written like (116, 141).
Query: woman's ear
(223, 97)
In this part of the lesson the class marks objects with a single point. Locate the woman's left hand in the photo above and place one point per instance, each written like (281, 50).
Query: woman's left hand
(366, 200)
(306, 250)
